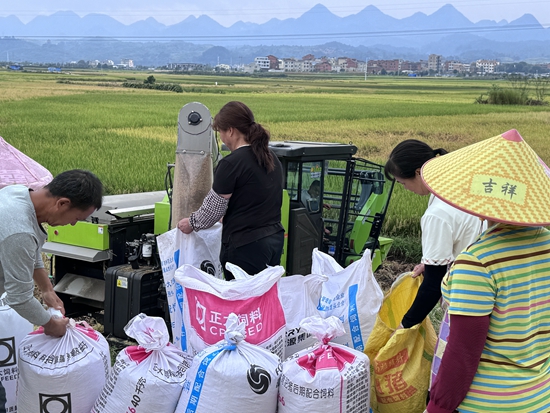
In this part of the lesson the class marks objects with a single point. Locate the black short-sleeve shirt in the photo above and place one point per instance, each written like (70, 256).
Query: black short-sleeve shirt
(254, 209)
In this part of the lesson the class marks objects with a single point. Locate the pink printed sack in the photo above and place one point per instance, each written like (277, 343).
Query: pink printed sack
(326, 378)
(208, 301)
(147, 377)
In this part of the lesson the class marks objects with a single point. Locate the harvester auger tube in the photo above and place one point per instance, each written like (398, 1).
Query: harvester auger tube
(195, 152)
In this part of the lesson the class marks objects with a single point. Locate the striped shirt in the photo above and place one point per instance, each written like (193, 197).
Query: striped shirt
(506, 274)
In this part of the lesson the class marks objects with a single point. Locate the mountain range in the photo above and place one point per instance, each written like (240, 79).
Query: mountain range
(65, 36)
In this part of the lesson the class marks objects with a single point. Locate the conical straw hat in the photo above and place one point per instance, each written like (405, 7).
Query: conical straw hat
(501, 179)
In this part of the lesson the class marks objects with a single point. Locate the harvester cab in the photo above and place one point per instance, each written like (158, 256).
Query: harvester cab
(336, 203)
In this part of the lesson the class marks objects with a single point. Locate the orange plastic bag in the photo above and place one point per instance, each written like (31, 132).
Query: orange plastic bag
(400, 363)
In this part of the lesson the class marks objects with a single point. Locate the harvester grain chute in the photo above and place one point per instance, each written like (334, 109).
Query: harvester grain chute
(108, 266)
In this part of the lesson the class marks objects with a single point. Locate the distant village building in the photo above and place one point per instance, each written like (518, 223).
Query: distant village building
(434, 63)
(304, 66)
(456, 67)
(323, 67)
(351, 65)
(262, 63)
(409, 67)
(223, 67)
(348, 64)
(129, 63)
(273, 62)
(486, 66)
(185, 67)
(249, 68)
(377, 67)
(289, 65)
(342, 63)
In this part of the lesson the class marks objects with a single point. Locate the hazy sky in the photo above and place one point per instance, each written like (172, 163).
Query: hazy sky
(227, 12)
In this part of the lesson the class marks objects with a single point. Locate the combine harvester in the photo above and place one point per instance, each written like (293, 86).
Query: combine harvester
(108, 266)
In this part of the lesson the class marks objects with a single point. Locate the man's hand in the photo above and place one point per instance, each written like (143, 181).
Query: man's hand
(419, 269)
(51, 299)
(56, 327)
(184, 226)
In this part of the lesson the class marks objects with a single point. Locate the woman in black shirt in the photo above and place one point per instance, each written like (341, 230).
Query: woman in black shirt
(247, 193)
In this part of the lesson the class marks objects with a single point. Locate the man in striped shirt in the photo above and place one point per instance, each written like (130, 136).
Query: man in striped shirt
(497, 353)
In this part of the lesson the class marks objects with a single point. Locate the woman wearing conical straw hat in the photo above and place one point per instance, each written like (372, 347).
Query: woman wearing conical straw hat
(446, 231)
(497, 353)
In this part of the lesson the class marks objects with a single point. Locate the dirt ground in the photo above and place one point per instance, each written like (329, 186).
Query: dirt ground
(389, 271)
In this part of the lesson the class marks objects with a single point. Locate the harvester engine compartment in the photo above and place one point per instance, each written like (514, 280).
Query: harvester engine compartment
(107, 266)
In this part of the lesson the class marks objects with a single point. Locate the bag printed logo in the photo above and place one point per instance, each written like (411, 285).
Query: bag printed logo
(391, 386)
(208, 267)
(55, 403)
(7, 352)
(325, 357)
(210, 313)
(331, 305)
(258, 378)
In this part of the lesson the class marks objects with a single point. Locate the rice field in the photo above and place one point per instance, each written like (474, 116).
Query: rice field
(127, 136)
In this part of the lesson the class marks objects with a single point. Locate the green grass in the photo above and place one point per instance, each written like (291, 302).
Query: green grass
(128, 136)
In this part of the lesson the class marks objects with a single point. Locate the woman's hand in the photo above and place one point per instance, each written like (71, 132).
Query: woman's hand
(184, 226)
(419, 269)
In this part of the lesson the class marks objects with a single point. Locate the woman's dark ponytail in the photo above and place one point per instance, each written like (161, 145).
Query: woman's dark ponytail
(259, 142)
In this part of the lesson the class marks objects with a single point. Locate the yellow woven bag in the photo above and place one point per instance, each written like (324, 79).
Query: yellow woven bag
(400, 359)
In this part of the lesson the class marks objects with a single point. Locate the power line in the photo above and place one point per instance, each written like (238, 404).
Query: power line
(225, 38)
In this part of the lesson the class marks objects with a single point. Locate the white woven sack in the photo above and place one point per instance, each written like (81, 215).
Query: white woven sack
(147, 377)
(13, 328)
(199, 249)
(208, 302)
(62, 375)
(352, 294)
(231, 376)
(327, 378)
(299, 297)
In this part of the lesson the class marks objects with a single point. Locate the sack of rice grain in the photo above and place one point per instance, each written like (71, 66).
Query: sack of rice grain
(62, 374)
(326, 378)
(147, 377)
(231, 376)
(208, 302)
(13, 329)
